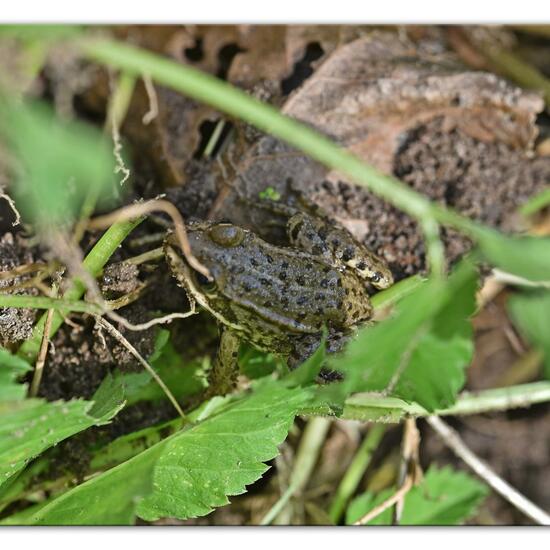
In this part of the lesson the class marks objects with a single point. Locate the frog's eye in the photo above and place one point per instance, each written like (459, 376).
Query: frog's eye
(226, 234)
(204, 283)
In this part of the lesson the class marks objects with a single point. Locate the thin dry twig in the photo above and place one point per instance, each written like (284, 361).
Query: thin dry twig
(410, 461)
(144, 208)
(118, 336)
(41, 359)
(43, 352)
(451, 438)
(153, 111)
(120, 166)
(11, 203)
(396, 497)
(158, 320)
(25, 269)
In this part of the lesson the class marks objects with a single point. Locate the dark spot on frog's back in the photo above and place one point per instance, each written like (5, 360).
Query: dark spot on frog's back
(348, 254)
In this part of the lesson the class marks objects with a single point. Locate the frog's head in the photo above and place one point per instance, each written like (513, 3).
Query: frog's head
(219, 247)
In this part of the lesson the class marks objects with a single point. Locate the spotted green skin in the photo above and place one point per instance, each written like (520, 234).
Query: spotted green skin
(310, 229)
(277, 298)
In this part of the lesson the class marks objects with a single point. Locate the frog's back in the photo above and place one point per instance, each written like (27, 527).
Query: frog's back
(295, 291)
(267, 292)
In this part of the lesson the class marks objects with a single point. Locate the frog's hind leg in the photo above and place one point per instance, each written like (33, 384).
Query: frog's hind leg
(222, 378)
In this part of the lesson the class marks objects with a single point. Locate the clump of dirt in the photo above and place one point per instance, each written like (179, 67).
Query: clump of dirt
(81, 355)
(486, 181)
(15, 324)
(73, 368)
(119, 278)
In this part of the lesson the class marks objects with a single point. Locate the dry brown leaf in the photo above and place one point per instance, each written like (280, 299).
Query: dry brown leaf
(378, 95)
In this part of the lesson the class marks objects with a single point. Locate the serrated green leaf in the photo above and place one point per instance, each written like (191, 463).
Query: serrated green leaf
(531, 314)
(222, 455)
(444, 497)
(524, 256)
(421, 352)
(60, 163)
(11, 367)
(191, 472)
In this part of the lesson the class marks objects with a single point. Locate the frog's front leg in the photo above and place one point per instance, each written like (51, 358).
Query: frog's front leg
(222, 378)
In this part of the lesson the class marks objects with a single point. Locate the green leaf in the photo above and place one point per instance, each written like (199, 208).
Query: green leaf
(222, 455)
(444, 497)
(531, 314)
(191, 472)
(41, 32)
(11, 367)
(108, 499)
(108, 398)
(310, 368)
(536, 203)
(254, 363)
(420, 353)
(31, 426)
(59, 163)
(524, 256)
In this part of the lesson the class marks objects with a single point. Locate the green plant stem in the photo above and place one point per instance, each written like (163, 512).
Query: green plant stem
(536, 203)
(119, 100)
(355, 471)
(93, 263)
(312, 441)
(213, 141)
(365, 407)
(42, 302)
(222, 96)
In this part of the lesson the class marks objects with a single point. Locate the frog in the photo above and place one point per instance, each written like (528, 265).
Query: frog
(280, 299)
